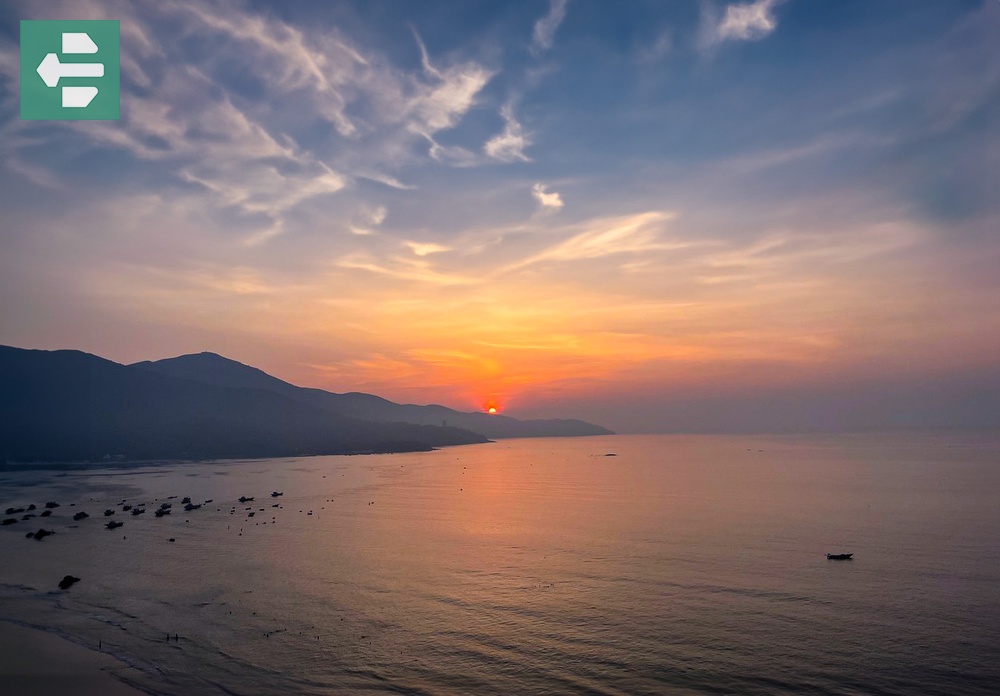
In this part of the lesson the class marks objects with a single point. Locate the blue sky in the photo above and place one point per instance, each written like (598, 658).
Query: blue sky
(782, 212)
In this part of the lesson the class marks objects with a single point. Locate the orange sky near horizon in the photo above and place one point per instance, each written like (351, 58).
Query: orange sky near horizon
(470, 328)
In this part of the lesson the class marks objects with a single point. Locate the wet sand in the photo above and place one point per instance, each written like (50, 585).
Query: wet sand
(34, 662)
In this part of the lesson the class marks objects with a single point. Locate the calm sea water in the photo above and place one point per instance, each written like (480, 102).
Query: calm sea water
(683, 565)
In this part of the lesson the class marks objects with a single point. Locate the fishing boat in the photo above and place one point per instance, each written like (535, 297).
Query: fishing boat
(839, 556)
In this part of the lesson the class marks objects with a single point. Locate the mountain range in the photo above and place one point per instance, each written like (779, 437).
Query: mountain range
(67, 405)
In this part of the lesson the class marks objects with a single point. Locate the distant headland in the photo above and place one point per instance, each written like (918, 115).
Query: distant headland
(67, 405)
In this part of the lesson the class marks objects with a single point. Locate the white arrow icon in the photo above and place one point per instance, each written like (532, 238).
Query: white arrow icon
(51, 70)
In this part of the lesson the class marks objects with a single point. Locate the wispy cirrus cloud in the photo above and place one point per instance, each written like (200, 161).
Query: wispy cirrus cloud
(606, 237)
(425, 248)
(370, 218)
(284, 55)
(449, 93)
(199, 127)
(441, 101)
(509, 145)
(544, 33)
(452, 155)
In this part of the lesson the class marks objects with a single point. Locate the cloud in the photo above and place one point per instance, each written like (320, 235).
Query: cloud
(509, 145)
(241, 141)
(425, 60)
(40, 176)
(748, 21)
(410, 270)
(608, 236)
(216, 115)
(425, 248)
(450, 94)
(276, 228)
(453, 155)
(285, 56)
(390, 181)
(370, 218)
(443, 105)
(545, 28)
(545, 199)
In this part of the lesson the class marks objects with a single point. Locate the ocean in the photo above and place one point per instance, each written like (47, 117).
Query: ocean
(680, 565)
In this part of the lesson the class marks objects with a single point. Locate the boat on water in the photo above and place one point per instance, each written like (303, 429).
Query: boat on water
(839, 556)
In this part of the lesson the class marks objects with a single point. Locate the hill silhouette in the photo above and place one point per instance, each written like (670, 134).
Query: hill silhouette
(210, 368)
(68, 405)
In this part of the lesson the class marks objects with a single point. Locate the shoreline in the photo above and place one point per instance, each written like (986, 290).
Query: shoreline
(126, 464)
(37, 662)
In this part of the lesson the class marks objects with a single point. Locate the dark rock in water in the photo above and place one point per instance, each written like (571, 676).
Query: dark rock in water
(172, 540)
(114, 525)
(166, 506)
(27, 517)
(46, 513)
(275, 494)
(191, 506)
(126, 508)
(14, 511)
(162, 511)
(244, 499)
(28, 535)
(9, 520)
(80, 516)
(68, 582)
(186, 500)
(251, 514)
(138, 511)
(208, 501)
(41, 534)
(51, 504)
(109, 512)
(31, 507)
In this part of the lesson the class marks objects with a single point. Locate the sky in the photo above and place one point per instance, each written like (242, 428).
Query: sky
(692, 215)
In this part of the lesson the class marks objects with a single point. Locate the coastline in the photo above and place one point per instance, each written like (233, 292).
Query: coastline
(34, 662)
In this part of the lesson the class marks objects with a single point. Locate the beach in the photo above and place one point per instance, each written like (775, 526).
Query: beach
(39, 663)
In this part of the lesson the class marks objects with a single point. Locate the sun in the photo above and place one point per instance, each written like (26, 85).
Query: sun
(491, 409)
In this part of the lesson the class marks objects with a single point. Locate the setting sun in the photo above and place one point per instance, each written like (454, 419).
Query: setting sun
(491, 409)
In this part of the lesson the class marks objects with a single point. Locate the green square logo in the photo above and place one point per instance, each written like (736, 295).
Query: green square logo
(70, 70)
